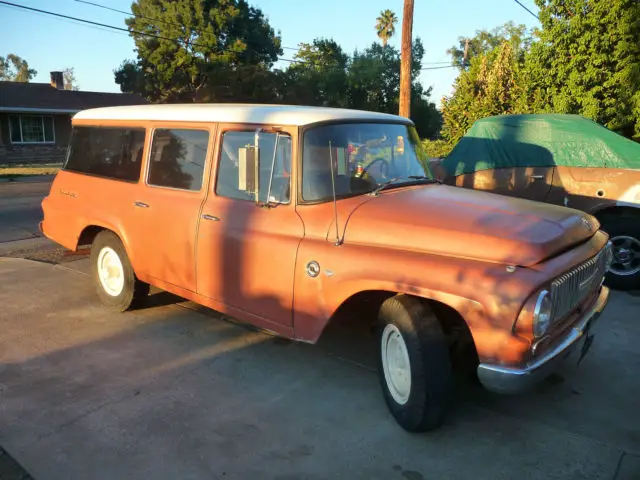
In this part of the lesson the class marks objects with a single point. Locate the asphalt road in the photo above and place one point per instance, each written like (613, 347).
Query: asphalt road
(176, 391)
(20, 209)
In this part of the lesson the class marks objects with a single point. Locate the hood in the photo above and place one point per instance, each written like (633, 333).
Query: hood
(458, 222)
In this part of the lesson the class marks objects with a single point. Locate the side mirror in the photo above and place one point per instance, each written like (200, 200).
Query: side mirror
(248, 170)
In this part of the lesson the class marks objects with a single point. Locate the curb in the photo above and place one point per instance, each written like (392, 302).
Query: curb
(28, 179)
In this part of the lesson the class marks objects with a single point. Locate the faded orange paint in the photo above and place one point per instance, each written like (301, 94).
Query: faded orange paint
(437, 242)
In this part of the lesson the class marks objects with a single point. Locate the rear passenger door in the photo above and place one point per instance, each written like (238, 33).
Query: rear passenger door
(167, 206)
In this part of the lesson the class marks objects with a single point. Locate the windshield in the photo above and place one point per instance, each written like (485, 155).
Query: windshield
(361, 157)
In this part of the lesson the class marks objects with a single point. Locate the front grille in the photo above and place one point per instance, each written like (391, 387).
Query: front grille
(568, 290)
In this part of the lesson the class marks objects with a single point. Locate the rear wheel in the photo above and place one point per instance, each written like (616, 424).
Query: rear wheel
(624, 233)
(413, 362)
(116, 283)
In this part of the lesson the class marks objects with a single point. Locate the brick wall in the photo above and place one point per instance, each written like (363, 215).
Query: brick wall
(35, 153)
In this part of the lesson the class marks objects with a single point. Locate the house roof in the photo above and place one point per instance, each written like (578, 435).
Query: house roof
(43, 98)
(236, 113)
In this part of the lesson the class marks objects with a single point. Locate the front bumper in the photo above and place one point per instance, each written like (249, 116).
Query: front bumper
(514, 380)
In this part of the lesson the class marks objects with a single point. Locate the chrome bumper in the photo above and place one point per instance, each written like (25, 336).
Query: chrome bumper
(513, 380)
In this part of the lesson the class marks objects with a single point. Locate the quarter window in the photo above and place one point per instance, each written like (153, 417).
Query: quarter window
(177, 158)
(274, 155)
(31, 129)
(106, 152)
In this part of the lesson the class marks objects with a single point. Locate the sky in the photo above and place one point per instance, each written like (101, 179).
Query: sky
(48, 43)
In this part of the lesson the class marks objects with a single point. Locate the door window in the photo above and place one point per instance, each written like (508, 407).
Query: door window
(177, 158)
(274, 157)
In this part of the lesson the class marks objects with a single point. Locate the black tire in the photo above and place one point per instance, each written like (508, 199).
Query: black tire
(618, 226)
(430, 364)
(133, 290)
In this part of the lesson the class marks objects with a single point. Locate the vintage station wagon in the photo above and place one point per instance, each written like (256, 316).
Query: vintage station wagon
(290, 217)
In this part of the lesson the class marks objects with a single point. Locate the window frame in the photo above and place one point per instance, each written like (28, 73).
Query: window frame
(106, 177)
(42, 117)
(300, 152)
(292, 131)
(205, 127)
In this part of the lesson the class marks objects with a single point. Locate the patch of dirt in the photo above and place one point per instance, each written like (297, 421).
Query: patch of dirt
(49, 255)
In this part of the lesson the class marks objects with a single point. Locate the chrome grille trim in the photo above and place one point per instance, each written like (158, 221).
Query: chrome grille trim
(570, 288)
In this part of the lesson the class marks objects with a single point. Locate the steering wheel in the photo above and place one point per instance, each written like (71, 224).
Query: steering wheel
(384, 167)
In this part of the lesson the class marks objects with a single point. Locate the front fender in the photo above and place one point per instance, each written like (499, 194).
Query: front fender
(487, 297)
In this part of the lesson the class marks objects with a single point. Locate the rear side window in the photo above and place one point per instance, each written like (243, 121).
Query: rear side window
(106, 152)
(177, 158)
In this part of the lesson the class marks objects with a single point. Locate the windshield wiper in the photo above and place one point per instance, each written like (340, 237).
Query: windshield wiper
(424, 177)
(382, 186)
(425, 181)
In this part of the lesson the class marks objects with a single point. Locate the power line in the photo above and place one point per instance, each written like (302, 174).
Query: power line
(124, 12)
(526, 8)
(159, 20)
(126, 30)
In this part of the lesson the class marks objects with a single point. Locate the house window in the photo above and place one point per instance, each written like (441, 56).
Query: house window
(31, 129)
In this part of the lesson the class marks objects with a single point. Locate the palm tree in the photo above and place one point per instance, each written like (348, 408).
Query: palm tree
(385, 26)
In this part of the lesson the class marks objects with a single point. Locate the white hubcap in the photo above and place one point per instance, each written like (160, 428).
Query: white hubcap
(395, 364)
(110, 271)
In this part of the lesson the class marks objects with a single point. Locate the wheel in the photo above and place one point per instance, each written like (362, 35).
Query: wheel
(624, 233)
(116, 283)
(413, 363)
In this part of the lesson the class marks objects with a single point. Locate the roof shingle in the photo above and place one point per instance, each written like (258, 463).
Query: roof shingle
(16, 96)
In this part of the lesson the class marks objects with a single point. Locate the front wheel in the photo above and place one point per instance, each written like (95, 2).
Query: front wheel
(116, 283)
(413, 363)
(624, 233)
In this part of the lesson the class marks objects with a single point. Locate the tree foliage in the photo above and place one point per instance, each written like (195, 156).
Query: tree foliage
(585, 59)
(69, 79)
(182, 44)
(485, 41)
(492, 85)
(224, 51)
(15, 69)
(386, 26)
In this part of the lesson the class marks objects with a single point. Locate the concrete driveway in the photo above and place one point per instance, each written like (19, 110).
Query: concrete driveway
(173, 391)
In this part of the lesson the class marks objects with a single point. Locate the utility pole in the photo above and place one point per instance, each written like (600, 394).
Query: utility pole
(466, 53)
(405, 59)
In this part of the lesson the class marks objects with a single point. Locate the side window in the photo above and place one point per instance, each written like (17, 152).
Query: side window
(274, 155)
(177, 158)
(106, 152)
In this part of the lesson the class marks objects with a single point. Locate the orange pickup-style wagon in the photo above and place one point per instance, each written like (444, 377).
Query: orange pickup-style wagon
(289, 217)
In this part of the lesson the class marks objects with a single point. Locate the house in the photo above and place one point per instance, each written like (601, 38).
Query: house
(35, 118)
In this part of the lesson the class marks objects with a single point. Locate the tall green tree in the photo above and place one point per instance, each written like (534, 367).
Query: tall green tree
(185, 46)
(493, 84)
(587, 61)
(15, 69)
(485, 41)
(318, 76)
(386, 26)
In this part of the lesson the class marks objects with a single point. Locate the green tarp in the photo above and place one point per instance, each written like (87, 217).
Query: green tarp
(539, 141)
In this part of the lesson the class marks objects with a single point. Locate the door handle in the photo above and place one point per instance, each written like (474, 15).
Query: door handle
(141, 204)
(537, 177)
(213, 218)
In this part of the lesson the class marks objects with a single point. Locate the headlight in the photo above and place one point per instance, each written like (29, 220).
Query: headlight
(608, 255)
(542, 314)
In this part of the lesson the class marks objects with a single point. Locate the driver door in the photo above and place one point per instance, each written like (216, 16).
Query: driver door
(247, 249)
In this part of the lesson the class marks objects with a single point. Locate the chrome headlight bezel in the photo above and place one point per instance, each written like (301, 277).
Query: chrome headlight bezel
(608, 253)
(542, 314)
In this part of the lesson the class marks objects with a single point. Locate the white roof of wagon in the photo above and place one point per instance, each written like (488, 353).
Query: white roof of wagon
(234, 113)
